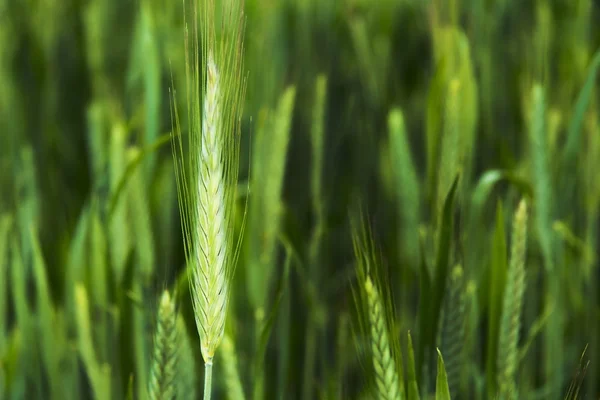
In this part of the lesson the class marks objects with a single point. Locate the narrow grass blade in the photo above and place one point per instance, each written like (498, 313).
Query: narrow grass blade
(572, 146)
(450, 158)
(18, 286)
(442, 391)
(97, 143)
(442, 265)
(453, 332)
(577, 380)
(425, 308)
(233, 384)
(151, 66)
(5, 228)
(480, 197)
(98, 278)
(407, 186)
(130, 168)
(412, 387)
(141, 228)
(187, 368)
(541, 175)
(266, 206)
(50, 328)
(119, 232)
(98, 374)
(318, 143)
(266, 330)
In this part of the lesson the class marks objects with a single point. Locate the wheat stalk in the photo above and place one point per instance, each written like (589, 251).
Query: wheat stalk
(510, 323)
(164, 363)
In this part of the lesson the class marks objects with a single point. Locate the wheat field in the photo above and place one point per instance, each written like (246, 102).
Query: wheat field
(299, 199)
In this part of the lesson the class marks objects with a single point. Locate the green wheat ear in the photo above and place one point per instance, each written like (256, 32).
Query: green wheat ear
(207, 177)
(453, 333)
(376, 311)
(510, 323)
(164, 364)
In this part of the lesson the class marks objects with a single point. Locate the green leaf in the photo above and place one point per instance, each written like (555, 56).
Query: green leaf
(266, 207)
(131, 167)
(496, 284)
(50, 328)
(99, 375)
(571, 150)
(267, 326)
(412, 385)
(442, 263)
(442, 391)
(407, 186)
(424, 310)
(5, 228)
(479, 199)
(541, 175)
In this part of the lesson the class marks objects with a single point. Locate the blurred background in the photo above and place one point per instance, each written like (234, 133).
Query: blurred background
(382, 102)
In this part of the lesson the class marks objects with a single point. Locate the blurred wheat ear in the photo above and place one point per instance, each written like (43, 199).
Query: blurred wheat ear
(207, 178)
(375, 309)
(510, 323)
(164, 364)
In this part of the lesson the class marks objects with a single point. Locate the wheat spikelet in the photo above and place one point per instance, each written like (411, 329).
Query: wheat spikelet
(164, 363)
(510, 323)
(383, 361)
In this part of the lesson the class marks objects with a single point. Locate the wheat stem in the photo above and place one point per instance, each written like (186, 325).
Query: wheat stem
(207, 379)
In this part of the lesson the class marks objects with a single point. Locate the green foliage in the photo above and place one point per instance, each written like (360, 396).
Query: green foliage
(438, 117)
(442, 391)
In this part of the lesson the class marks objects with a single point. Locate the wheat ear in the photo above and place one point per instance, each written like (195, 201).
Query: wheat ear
(164, 363)
(453, 334)
(206, 181)
(383, 361)
(510, 323)
(209, 283)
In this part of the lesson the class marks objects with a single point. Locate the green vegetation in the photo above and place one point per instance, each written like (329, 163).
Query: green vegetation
(299, 199)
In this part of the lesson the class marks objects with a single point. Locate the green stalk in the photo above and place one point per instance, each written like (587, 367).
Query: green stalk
(207, 379)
